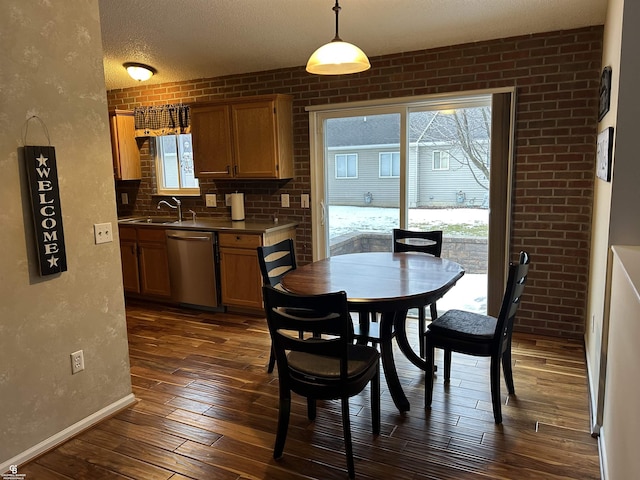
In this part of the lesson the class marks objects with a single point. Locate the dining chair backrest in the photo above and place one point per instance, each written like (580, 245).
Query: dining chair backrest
(426, 242)
(316, 315)
(516, 280)
(276, 260)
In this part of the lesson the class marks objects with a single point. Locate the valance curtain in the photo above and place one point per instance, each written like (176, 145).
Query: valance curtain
(154, 121)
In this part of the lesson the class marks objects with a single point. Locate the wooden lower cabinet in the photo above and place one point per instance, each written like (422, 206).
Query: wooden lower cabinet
(145, 264)
(240, 277)
(129, 258)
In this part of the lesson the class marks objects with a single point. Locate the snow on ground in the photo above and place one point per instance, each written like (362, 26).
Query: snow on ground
(344, 219)
(470, 293)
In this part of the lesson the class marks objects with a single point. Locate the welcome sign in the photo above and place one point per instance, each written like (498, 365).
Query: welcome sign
(45, 204)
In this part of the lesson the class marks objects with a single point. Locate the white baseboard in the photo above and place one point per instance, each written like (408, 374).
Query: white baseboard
(68, 433)
(593, 397)
(604, 467)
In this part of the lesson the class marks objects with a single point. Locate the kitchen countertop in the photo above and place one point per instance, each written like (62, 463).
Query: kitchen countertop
(208, 224)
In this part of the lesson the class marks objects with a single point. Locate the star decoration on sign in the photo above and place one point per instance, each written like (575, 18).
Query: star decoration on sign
(53, 262)
(42, 160)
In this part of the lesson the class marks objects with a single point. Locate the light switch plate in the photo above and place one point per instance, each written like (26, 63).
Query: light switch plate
(304, 200)
(284, 198)
(103, 233)
(227, 199)
(210, 199)
(124, 196)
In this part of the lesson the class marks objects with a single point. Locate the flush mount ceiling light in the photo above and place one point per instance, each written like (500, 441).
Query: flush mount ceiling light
(337, 57)
(139, 71)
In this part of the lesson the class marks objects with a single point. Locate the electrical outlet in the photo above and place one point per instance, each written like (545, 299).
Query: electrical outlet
(227, 199)
(304, 200)
(210, 199)
(284, 199)
(124, 197)
(103, 232)
(77, 362)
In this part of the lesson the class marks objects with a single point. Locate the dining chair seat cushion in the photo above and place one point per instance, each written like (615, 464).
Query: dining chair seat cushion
(464, 325)
(361, 359)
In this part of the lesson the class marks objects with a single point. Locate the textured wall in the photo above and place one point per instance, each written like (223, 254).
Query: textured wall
(556, 75)
(52, 68)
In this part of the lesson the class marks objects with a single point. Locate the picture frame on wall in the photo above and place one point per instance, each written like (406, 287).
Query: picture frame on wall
(604, 154)
(605, 93)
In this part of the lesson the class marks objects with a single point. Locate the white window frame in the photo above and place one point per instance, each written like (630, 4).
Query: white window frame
(345, 157)
(394, 157)
(443, 154)
(161, 189)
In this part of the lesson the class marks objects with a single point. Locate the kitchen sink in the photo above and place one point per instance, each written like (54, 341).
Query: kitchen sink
(155, 220)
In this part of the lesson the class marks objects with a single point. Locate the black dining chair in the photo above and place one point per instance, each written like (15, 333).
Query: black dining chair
(325, 364)
(276, 260)
(480, 335)
(426, 242)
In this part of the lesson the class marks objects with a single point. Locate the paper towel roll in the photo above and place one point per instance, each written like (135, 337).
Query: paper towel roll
(237, 206)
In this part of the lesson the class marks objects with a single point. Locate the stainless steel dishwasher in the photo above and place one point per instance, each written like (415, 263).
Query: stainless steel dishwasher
(193, 267)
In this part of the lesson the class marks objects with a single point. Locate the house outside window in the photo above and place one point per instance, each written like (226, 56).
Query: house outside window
(347, 165)
(389, 165)
(440, 160)
(175, 172)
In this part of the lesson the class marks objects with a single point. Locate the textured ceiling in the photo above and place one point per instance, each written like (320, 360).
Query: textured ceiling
(190, 39)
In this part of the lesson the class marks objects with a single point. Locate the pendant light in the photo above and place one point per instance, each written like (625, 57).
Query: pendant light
(139, 71)
(337, 57)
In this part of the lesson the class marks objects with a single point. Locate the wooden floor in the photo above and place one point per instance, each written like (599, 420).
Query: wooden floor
(207, 409)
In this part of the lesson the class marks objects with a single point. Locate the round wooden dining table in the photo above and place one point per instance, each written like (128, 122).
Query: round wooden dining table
(386, 283)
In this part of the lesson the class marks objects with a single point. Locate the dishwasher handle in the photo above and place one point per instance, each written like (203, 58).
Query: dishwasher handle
(189, 239)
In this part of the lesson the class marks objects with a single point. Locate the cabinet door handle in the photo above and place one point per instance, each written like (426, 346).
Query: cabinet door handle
(190, 239)
(235, 170)
(227, 171)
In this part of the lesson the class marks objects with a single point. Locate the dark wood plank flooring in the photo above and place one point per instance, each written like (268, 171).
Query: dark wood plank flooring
(207, 409)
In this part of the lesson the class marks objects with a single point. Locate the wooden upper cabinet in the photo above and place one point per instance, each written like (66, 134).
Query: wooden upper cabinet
(126, 156)
(249, 137)
(211, 136)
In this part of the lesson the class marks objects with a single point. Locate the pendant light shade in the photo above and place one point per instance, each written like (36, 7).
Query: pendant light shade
(337, 57)
(139, 71)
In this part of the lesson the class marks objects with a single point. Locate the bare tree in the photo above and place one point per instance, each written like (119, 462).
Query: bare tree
(469, 129)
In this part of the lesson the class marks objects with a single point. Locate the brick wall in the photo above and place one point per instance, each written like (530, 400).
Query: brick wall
(468, 251)
(556, 75)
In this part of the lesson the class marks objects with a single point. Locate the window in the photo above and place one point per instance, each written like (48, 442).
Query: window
(175, 173)
(441, 160)
(347, 165)
(390, 165)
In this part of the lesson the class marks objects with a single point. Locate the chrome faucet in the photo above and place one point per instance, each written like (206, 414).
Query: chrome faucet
(178, 206)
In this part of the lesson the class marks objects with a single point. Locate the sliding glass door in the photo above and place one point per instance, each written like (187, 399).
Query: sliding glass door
(362, 178)
(422, 165)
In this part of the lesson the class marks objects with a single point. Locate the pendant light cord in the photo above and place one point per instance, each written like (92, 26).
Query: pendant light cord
(336, 8)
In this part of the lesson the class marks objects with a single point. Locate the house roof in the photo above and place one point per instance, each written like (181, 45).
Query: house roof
(427, 127)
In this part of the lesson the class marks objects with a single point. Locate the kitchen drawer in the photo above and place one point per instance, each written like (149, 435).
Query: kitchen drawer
(127, 233)
(239, 240)
(146, 234)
